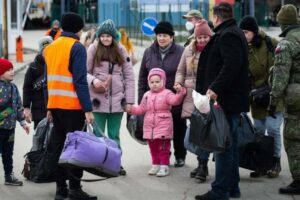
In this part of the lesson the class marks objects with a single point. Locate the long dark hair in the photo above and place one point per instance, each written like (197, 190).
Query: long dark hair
(108, 53)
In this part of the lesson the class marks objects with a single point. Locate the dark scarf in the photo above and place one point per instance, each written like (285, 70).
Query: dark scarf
(164, 51)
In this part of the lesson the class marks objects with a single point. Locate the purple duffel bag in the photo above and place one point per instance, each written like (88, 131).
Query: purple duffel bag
(97, 155)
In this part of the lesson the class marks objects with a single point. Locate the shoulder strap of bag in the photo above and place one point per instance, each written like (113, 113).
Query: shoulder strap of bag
(269, 44)
(85, 180)
(111, 68)
(271, 49)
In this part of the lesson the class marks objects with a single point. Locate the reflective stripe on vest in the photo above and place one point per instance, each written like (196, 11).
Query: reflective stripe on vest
(61, 90)
(62, 93)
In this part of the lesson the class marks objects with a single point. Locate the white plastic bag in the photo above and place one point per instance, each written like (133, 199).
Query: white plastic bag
(201, 102)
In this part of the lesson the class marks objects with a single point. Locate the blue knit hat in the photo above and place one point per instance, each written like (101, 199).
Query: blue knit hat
(107, 27)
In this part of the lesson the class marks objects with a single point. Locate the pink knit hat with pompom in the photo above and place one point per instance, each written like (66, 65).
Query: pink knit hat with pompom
(202, 28)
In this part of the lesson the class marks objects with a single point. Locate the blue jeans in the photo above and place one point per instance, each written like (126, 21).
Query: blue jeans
(227, 164)
(202, 155)
(272, 126)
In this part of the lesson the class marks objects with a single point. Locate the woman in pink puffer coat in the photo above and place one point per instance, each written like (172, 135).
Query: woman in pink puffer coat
(156, 104)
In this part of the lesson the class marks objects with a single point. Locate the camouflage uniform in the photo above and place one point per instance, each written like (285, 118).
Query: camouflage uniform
(286, 84)
(189, 40)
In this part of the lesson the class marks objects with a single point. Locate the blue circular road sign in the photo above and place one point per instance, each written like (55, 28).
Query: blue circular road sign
(148, 26)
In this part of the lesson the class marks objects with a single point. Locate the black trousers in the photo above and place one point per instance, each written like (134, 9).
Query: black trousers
(7, 138)
(65, 121)
(179, 125)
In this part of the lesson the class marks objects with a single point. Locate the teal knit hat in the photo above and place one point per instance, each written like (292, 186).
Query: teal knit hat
(107, 27)
(119, 36)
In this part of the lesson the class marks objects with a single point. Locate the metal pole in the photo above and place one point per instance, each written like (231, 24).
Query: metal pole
(282, 2)
(5, 35)
(62, 7)
(252, 8)
(19, 17)
(26, 14)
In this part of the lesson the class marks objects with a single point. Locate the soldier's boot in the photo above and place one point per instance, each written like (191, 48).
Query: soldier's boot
(202, 171)
(276, 169)
(194, 172)
(293, 188)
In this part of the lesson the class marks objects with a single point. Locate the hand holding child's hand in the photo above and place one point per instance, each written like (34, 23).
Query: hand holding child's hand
(27, 114)
(26, 128)
(128, 108)
(177, 87)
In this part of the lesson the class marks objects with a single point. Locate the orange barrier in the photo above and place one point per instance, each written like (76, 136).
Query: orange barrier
(19, 49)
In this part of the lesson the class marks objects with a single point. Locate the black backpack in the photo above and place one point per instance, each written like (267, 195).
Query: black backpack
(40, 164)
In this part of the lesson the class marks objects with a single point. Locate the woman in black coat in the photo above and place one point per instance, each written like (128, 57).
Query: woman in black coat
(33, 88)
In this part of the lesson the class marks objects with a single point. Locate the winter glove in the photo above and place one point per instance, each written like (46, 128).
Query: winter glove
(272, 110)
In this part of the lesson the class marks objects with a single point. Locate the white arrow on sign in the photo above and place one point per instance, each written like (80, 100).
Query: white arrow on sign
(148, 26)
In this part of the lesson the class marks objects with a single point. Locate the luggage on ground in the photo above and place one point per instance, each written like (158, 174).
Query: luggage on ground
(40, 164)
(135, 128)
(98, 155)
(257, 155)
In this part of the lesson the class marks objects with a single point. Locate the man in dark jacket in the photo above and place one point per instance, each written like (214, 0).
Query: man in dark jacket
(223, 76)
(68, 104)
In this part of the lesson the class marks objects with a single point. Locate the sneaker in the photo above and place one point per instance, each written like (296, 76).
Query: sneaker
(122, 172)
(12, 180)
(163, 171)
(154, 170)
(79, 194)
(61, 193)
(179, 162)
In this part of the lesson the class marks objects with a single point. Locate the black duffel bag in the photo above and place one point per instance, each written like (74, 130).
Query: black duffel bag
(261, 95)
(257, 155)
(40, 166)
(245, 130)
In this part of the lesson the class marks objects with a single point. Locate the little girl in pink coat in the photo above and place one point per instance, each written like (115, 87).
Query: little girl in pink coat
(158, 124)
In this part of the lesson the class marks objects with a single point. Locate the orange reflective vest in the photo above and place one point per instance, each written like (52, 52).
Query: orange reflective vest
(61, 90)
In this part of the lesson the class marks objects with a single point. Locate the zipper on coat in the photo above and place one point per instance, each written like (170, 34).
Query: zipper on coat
(153, 118)
(110, 97)
(110, 90)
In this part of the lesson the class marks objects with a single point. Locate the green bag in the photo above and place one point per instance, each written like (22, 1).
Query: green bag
(5, 113)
